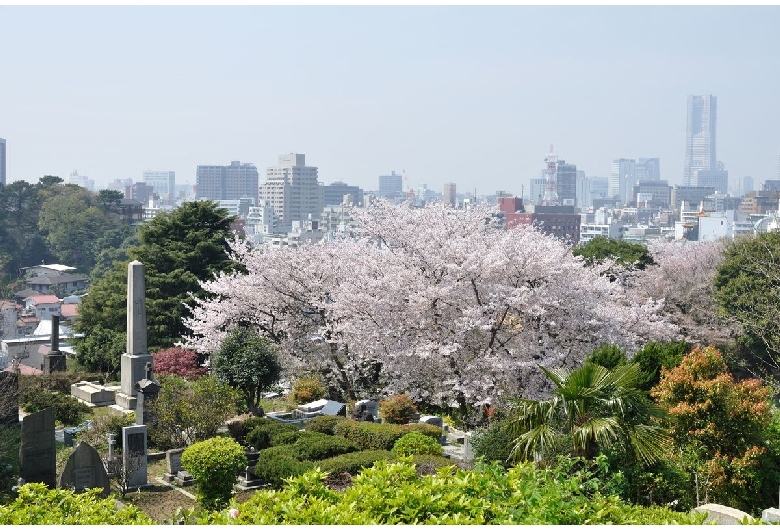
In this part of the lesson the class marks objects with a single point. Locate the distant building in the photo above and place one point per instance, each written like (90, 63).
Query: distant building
(537, 191)
(292, 190)
(700, 137)
(448, 196)
(119, 185)
(716, 178)
(164, 185)
(333, 194)
(140, 192)
(562, 222)
(566, 182)
(648, 169)
(692, 195)
(747, 184)
(238, 207)
(2, 161)
(391, 186)
(219, 183)
(652, 193)
(81, 180)
(621, 179)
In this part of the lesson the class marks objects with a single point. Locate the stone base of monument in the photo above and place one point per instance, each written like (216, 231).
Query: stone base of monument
(248, 482)
(126, 402)
(183, 478)
(93, 394)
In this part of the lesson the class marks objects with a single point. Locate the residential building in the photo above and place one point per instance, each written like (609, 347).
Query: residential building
(219, 183)
(652, 193)
(690, 194)
(292, 190)
(42, 306)
(164, 185)
(119, 185)
(140, 192)
(560, 221)
(700, 137)
(391, 186)
(621, 179)
(2, 162)
(334, 194)
(448, 196)
(648, 169)
(238, 207)
(537, 190)
(589, 231)
(54, 279)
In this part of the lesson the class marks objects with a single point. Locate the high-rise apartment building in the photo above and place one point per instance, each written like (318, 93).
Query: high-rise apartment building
(537, 190)
(700, 137)
(292, 190)
(81, 180)
(391, 186)
(647, 169)
(2, 161)
(448, 196)
(219, 183)
(164, 184)
(333, 194)
(621, 179)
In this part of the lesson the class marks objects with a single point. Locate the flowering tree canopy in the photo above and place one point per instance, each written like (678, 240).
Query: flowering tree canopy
(443, 305)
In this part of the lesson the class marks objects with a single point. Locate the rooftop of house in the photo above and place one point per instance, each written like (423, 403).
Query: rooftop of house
(53, 267)
(56, 280)
(69, 310)
(25, 370)
(44, 299)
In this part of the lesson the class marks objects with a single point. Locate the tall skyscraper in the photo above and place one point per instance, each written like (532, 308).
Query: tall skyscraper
(219, 183)
(292, 190)
(164, 184)
(448, 195)
(648, 169)
(747, 184)
(2, 161)
(566, 183)
(622, 179)
(700, 137)
(391, 186)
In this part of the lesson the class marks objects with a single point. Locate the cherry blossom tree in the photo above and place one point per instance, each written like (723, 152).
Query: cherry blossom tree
(443, 305)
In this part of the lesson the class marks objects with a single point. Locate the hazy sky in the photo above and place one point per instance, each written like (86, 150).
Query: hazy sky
(472, 95)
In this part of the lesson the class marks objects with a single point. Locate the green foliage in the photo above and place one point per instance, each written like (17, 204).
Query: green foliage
(416, 443)
(354, 463)
(37, 504)
(104, 423)
(307, 389)
(214, 464)
(248, 362)
(628, 255)
(263, 431)
(495, 443)
(655, 356)
(67, 409)
(608, 356)
(432, 431)
(10, 437)
(397, 409)
(393, 493)
(318, 446)
(381, 435)
(747, 288)
(178, 249)
(324, 424)
(188, 412)
(597, 408)
(276, 464)
(101, 350)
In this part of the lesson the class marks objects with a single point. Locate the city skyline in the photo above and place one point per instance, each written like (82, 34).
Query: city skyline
(468, 95)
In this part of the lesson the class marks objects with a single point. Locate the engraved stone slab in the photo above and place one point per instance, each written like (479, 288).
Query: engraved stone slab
(84, 470)
(173, 459)
(134, 454)
(37, 452)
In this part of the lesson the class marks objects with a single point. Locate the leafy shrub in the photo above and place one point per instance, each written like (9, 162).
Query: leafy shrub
(323, 424)
(354, 463)
(397, 409)
(57, 381)
(10, 437)
(178, 361)
(67, 409)
(276, 464)
(432, 462)
(37, 504)
(263, 431)
(101, 426)
(214, 464)
(494, 443)
(369, 435)
(318, 446)
(393, 493)
(609, 356)
(432, 431)
(416, 443)
(286, 438)
(306, 390)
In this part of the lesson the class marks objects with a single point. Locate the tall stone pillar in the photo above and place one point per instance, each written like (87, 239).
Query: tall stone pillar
(136, 357)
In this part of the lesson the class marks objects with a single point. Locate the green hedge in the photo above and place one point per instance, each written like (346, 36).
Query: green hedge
(318, 446)
(276, 464)
(263, 431)
(354, 463)
(381, 435)
(324, 424)
(67, 409)
(416, 443)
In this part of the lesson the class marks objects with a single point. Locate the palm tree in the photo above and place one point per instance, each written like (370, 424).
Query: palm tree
(596, 407)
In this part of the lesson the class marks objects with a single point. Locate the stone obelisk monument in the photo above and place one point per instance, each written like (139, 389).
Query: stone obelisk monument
(136, 357)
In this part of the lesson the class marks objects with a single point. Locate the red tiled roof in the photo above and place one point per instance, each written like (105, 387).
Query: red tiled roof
(69, 310)
(44, 299)
(25, 370)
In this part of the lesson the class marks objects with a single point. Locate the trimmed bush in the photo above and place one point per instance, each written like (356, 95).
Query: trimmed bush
(432, 462)
(276, 464)
(324, 424)
(67, 409)
(318, 446)
(397, 409)
(354, 463)
(494, 443)
(416, 443)
(431, 431)
(214, 464)
(287, 438)
(381, 435)
(306, 390)
(262, 431)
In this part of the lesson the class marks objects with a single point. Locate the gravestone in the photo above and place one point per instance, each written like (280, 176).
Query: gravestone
(37, 452)
(134, 360)
(148, 389)
(433, 420)
(770, 515)
(134, 455)
(84, 470)
(173, 459)
(720, 514)
(334, 408)
(9, 398)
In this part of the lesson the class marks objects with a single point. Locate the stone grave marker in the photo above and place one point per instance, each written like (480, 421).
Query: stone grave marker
(37, 452)
(173, 459)
(433, 420)
(134, 455)
(84, 470)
